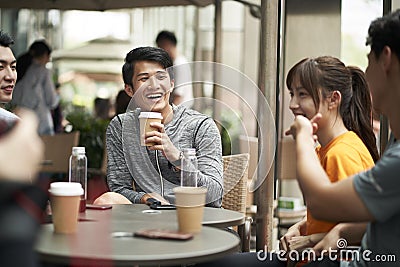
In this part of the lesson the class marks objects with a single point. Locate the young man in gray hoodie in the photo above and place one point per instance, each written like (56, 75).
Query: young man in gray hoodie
(136, 173)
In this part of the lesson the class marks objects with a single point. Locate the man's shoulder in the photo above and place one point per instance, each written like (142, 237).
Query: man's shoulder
(192, 120)
(116, 122)
(189, 114)
(117, 119)
(128, 119)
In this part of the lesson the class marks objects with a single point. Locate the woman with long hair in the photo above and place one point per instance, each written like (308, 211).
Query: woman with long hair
(346, 139)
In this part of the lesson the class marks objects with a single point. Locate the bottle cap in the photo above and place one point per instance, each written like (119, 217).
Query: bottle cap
(78, 150)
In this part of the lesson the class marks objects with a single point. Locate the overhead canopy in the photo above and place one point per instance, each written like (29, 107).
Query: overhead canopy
(103, 55)
(106, 48)
(97, 5)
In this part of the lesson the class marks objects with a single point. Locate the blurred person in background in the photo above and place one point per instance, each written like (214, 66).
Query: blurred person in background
(56, 114)
(121, 102)
(102, 108)
(181, 94)
(35, 88)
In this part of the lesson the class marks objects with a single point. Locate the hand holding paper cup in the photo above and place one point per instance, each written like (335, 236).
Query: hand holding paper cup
(145, 119)
(189, 202)
(64, 200)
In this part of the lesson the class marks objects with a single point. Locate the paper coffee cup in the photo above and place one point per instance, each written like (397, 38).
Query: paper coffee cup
(189, 202)
(64, 200)
(145, 119)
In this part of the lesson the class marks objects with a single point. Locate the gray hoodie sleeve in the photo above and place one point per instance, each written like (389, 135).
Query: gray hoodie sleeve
(118, 176)
(207, 141)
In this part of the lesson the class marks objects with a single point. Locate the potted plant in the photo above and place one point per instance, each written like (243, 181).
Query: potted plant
(92, 134)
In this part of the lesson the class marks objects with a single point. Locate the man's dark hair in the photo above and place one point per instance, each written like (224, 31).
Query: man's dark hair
(147, 53)
(385, 31)
(36, 49)
(166, 35)
(39, 48)
(5, 39)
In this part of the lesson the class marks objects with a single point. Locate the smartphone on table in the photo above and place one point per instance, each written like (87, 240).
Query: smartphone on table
(156, 205)
(98, 207)
(163, 234)
(159, 206)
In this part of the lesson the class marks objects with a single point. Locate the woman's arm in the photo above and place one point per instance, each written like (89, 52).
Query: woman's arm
(351, 232)
(332, 202)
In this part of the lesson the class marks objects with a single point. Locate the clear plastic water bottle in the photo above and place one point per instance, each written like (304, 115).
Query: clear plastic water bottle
(78, 172)
(189, 168)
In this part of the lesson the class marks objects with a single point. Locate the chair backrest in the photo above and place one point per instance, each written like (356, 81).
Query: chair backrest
(235, 182)
(249, 144)
(287, 159)
(57, 150)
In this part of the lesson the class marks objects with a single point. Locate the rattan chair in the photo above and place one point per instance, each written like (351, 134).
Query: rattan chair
(235, 192)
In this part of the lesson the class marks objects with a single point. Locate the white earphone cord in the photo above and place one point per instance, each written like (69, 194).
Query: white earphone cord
(159, 172)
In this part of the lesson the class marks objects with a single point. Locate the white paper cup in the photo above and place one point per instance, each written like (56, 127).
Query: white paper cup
(64, 199)
(189, 202)
(145, 119)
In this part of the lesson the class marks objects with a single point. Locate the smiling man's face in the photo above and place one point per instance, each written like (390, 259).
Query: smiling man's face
(8, 74)
(152, 87)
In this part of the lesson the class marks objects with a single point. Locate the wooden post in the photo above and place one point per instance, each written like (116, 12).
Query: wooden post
(384, 123)
(217, 56)
(267, 82)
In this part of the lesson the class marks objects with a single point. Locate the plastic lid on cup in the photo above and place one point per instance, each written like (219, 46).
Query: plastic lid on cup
(150, 115)
(66, 189)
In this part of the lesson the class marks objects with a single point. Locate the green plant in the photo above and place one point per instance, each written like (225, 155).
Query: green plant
(226, 142)
(229, 126)
(92, 134)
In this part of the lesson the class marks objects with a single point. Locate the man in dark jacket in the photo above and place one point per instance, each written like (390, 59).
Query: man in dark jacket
(21, 202)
